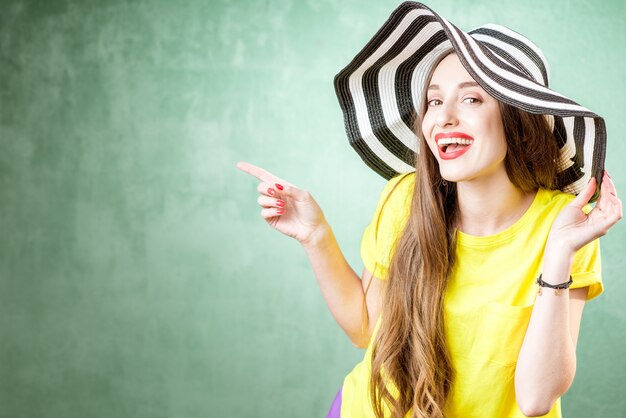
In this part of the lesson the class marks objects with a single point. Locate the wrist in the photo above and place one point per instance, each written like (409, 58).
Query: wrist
(558, 287)
(557, 245)
(557, 264)
(319, 236)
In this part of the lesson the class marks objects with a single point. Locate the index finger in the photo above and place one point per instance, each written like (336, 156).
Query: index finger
(585, 194)
(608, 184)
(257, 172)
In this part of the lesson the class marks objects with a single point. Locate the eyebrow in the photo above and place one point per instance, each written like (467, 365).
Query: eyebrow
(463, 85)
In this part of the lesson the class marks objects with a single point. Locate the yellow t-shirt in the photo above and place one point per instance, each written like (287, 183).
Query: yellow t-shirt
(488, 302)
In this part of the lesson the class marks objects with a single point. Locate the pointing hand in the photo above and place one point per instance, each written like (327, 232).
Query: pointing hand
(286, 208)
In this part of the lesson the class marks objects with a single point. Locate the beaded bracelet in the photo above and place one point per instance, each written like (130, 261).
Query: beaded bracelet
(557, 287)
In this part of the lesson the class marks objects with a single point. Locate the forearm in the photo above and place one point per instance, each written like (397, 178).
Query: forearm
(340, 285)
(547, 361)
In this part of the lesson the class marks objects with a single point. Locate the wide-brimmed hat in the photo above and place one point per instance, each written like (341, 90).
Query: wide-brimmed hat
(380, 91)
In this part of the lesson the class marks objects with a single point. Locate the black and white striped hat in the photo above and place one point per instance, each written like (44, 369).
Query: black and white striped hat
(379, 91)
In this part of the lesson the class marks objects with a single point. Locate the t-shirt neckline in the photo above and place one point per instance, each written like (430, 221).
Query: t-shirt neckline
(507, 234)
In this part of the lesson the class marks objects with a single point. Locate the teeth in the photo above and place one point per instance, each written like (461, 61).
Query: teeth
(448, 141)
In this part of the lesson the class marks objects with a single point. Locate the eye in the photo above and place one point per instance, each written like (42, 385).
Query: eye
(472, 100)
(433, 102)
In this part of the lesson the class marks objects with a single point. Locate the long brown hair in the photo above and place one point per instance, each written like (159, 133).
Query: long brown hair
(410, 350)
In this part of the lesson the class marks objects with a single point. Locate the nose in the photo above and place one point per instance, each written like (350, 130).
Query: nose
(446, 116)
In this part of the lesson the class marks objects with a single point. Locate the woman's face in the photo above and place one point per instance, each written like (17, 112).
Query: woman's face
(462, 124)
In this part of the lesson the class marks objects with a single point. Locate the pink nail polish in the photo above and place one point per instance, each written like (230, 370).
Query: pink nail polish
(272, 192)
(279, 187)
(280, 203)
(280, 211)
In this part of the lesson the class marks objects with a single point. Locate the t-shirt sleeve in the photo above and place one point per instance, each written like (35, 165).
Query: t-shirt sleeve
(389, 218)
(587, 269)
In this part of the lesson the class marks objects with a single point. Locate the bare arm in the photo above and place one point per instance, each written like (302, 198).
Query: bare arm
(546, 365)
(374, 300)
(342, 289)
(293, 212)
(547, 361)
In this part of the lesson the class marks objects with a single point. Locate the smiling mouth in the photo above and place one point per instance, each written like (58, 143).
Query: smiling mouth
(453, 144)
(450, 148)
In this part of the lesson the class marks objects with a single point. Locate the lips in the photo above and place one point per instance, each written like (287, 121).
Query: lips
(452, 145)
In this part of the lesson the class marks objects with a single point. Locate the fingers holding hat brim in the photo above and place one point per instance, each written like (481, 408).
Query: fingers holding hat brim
(585, 194)
(609, 202)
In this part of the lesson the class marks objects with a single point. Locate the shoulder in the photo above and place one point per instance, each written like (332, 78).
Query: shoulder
(398, 189)
(394, 205)
(556, 200)
(392, 213)
(556, 197)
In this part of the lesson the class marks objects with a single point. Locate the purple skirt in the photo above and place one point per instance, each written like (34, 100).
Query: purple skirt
(335, 408)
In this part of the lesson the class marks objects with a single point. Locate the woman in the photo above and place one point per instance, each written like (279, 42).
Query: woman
(453, 320)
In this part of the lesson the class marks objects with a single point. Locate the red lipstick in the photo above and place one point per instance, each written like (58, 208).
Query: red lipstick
(451, 155)
(452, 135)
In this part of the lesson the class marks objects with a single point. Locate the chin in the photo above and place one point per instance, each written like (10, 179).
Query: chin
(454, 177)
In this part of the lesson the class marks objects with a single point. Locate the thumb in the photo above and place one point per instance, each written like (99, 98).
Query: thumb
(585, 195)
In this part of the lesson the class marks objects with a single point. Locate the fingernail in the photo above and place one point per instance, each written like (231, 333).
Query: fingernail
(279, 187)
(272, 192)
(280, 211)
(280, 203)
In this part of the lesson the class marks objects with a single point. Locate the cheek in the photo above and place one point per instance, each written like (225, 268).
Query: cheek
(501, 140)
(503, 149)
(497, 153)
(496, 149)
(493, 129)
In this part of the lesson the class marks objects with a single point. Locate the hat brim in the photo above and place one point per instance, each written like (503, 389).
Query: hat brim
(380, 91)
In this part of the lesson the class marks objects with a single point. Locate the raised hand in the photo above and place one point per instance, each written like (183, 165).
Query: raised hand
(286, 208)
(574, 229)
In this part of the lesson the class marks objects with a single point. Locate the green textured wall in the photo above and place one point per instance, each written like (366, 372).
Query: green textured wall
(137, 278)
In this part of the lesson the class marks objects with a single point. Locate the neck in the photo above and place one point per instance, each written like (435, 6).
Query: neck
(488, 206)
